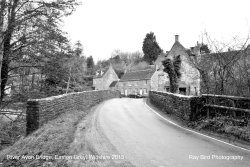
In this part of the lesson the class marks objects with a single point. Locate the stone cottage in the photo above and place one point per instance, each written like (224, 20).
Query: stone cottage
(104, 79)
(136, 82)
(189, 83)
(140, 82)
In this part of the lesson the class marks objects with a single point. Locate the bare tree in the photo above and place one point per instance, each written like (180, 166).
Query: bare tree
(28, 25)
(2, 10)
(219, 70)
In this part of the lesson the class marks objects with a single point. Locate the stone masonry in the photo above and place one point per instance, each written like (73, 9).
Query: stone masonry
(182, 106)
(40, 111)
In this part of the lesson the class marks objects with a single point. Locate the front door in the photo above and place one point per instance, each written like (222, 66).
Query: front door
(126, 92)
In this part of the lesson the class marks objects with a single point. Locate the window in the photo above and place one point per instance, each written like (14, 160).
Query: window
(140, 91)
(182, 91)
(122, 91)
(145, 91)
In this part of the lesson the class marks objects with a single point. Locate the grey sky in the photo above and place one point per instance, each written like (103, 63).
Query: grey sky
(105, 25)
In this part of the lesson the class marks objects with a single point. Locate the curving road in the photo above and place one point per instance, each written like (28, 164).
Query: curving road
(130, 129)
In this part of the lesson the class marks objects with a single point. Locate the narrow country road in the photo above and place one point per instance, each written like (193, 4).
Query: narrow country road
(127, 127)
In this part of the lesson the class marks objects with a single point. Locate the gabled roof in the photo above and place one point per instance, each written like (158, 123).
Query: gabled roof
(101, 73)
(160, 58)
(169, 54)
(113, 84)
(177, 44)
(138, 75)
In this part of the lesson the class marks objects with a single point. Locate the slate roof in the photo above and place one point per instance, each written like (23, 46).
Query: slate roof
(113, 84)
(138, 75)
(177, 44)
(160, 58)
(119, 74)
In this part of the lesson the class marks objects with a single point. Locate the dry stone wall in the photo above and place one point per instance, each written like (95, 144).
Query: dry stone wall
(190, 108)
(184, 107)
(40, 111)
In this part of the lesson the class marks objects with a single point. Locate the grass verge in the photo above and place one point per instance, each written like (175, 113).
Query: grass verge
(52, 139)
(230, 127)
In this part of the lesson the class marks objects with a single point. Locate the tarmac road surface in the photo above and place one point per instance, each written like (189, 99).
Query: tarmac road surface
(139, 136)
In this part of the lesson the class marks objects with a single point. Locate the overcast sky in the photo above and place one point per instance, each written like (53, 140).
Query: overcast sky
(105, 25)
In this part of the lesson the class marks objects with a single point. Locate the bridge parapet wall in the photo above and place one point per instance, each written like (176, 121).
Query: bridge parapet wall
(190, 108)
(184, 107)
(40, 111)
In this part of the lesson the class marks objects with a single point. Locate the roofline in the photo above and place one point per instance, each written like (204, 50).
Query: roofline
(135, 79)
(239, 51)
(141, 70)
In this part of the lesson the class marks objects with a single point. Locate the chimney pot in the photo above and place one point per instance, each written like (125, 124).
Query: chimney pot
(176, 38)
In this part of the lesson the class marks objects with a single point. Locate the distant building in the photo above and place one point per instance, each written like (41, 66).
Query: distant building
(142, 81)
(136, 82)
(103, 79)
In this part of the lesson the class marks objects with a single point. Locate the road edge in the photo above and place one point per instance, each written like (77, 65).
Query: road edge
(193, 131)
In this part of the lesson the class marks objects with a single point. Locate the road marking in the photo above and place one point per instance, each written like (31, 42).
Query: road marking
(149, 108)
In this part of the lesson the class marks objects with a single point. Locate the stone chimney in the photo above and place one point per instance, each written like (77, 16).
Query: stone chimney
(176, 38)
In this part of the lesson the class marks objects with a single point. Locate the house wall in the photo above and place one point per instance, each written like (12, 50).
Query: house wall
(109, 77)
(159, 81)
(190, 77)
(132, 87)
(97, 83)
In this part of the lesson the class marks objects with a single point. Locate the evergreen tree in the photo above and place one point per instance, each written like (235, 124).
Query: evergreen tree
(90, 62)
(78, 49)
(150, 48)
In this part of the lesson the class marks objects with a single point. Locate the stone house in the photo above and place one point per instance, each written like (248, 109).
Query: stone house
(140, 82)
(113, 85)
(103, 79)
(189, 83)
(136, 82)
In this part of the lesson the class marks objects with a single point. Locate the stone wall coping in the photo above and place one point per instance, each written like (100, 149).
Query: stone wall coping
(210, 95)
(40, 111)
(226, 96)
(63, 95)
(175, 94)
